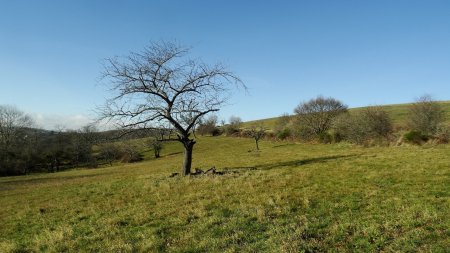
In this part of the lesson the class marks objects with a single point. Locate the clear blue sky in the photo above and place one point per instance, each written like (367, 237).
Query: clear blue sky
(362, 52)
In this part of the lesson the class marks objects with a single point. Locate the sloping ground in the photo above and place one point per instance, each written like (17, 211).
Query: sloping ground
(288, 197)
(398, 114)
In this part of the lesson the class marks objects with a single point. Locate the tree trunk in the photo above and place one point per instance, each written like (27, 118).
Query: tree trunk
(188, 148)
(257, 146)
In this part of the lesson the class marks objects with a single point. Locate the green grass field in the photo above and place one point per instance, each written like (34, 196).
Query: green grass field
(299, 198)
(398, 113)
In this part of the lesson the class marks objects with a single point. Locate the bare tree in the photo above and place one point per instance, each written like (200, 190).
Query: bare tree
(13, 138)
(12, 121)
(160, 85)
(315, 116)
(425, 115)
(257, 132)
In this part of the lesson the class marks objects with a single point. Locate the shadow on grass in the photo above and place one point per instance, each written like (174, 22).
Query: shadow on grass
(21, 180)
(293, 163)
(284, 145)
(172, 154)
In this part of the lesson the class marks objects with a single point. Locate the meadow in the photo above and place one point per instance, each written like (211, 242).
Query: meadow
(287, 197)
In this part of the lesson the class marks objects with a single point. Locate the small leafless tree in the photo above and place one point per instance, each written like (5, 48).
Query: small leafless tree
(425, 115)
(161, 86)
(257, 132)
(156, 145)
(315, 116)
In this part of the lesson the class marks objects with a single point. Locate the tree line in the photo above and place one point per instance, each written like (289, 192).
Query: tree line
(25, 148)
(328, 120)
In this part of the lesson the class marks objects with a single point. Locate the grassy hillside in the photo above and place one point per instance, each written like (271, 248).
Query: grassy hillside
(398, 114)
(298, 197)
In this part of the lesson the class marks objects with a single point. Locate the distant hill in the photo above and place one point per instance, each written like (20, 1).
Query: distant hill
(397, 112)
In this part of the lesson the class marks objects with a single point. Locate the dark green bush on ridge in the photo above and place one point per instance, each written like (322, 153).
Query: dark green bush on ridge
(284, 134)
(415, 137)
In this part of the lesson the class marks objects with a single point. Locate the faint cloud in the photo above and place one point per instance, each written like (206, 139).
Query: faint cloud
(54, 121)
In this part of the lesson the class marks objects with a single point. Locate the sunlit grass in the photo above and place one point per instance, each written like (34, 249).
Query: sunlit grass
(300, 197)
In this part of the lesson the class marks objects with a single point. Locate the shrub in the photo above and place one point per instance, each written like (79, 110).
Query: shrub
(209, 126)
(369, 126)
(109, 152)
(325, 138)
(425, 115)
(92, 163)
(284, 134)
(415, 137)
(130, 154)
(443, 134)
(282, 127)
(377, 122)
(233, 128)
(216, 132)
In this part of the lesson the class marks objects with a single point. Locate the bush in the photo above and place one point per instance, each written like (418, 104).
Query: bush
(284, 134)
(369, 126)
(233, 128)
(92, 163)
(282, 128)
(350, 128)
(209, 126)
(377, 122)
(130, 154)
(109, 152)
(443, 134)
(232, 131)
(425, 115)
(216, 132)
(335, 136)
(325, 138)
(301, 131)
(415, 137)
